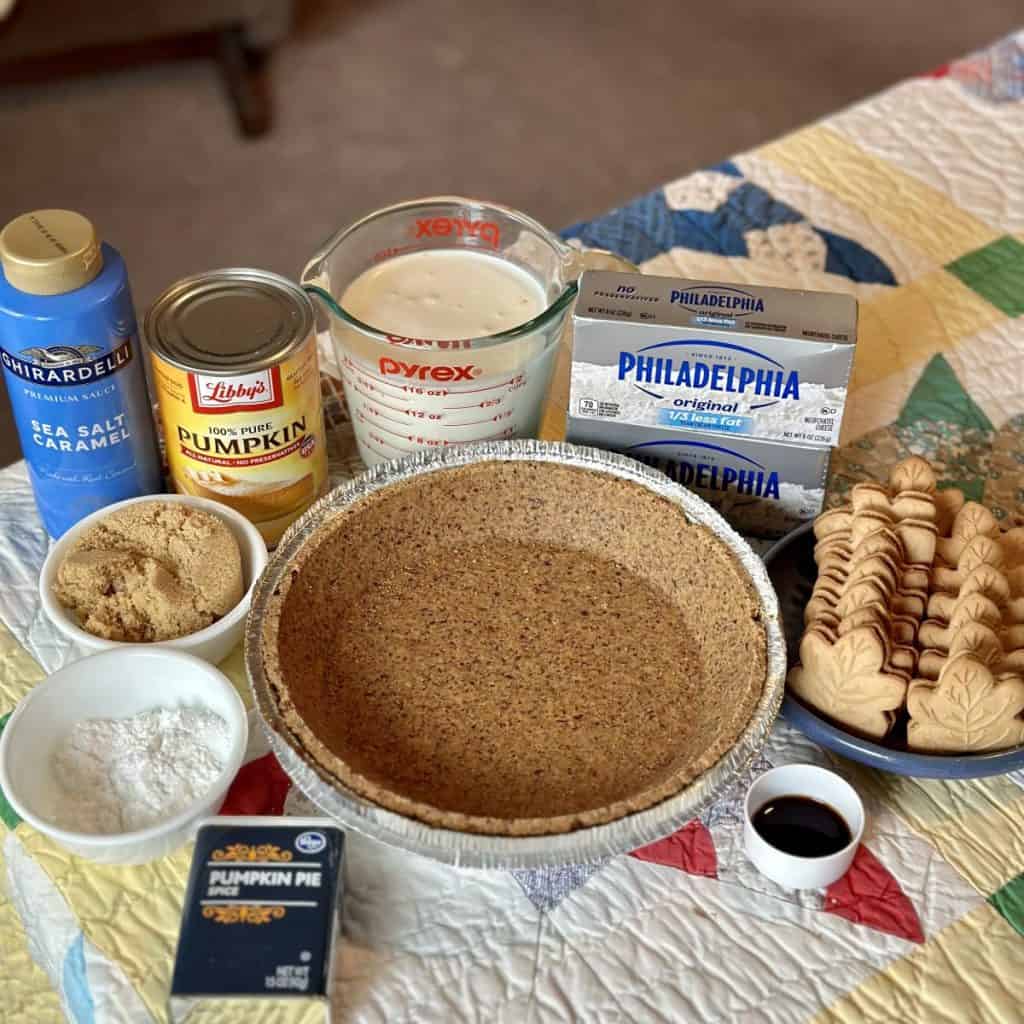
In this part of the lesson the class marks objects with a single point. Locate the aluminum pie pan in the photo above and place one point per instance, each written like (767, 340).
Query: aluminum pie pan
(473, 850)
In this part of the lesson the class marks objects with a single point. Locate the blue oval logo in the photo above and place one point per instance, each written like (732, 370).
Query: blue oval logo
(310, 842)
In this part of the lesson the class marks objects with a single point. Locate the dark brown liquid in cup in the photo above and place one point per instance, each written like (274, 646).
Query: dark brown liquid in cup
(802, 827)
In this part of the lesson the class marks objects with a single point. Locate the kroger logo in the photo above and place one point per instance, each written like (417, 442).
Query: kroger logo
(310, 842)
(413, 371)
(703, 297)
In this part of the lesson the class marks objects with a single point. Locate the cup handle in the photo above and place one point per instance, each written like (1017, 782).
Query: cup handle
(586, 258)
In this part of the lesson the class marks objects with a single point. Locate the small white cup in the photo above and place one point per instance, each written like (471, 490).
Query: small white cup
(806, 780)
(117, 683)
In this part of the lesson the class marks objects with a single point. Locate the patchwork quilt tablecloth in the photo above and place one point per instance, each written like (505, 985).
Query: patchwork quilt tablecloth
(914, 202)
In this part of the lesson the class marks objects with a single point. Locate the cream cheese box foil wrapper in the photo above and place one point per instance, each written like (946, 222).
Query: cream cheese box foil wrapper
(763, 363)
(763, 489)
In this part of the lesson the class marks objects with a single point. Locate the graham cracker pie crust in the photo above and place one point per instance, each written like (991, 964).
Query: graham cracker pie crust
(514, 648)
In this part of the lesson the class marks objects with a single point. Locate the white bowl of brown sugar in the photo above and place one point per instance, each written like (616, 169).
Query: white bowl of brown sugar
(169, 569)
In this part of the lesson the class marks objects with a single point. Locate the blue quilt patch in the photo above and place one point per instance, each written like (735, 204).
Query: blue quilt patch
(647, 227)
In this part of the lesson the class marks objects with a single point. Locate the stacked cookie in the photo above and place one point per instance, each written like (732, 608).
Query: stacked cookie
(969, 693)
(859, 653)
(918, 604)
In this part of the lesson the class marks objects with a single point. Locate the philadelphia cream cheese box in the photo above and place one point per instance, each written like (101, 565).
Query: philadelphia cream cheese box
(764, 488)
(763, 363)
(259, 922)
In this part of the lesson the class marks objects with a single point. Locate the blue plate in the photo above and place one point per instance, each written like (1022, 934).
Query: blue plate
(790, 565)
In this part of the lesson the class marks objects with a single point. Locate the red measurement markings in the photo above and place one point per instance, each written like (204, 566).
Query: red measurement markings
(380, 440)
(385, 441)
(492, 387)
(373, 448)
(392, 433)
(472, 423)
(376, 400)
(507, 432)
(356, 368)
(487, 403)
(387, 419)
(412, 389)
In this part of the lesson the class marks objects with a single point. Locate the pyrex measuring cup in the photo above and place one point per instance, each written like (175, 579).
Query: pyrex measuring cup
(405, 393)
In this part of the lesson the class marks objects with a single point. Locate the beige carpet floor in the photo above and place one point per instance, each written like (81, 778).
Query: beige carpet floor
(561, 109)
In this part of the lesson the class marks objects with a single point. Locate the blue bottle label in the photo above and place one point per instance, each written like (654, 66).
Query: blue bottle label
(66, 365)
(78, 392)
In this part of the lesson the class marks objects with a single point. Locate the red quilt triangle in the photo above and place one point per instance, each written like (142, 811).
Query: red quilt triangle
(691, 849)
(260, 787)
(867, 894)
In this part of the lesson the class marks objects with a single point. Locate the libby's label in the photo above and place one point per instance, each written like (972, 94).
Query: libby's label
(254, 441)
(259, 390)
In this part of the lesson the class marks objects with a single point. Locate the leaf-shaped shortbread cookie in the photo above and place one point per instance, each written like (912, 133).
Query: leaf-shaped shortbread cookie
(880, 542)
(913, 474)
(978, 551)
(918, 539)
(847, 681)
(947, 504)
(973, 520)
(836, 520)
(1012, 543)
(968, 709)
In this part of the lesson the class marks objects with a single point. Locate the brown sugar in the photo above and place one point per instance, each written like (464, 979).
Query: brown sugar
(515, 648)
(152, 571)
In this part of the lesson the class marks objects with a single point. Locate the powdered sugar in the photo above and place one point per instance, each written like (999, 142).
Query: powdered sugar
(124, 774)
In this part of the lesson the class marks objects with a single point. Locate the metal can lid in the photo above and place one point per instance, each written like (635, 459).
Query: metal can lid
(50, 252)
(231, 321)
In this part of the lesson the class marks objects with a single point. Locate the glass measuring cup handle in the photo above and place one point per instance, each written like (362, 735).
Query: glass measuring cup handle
(318, 291)
(314, 280)
(584, 258)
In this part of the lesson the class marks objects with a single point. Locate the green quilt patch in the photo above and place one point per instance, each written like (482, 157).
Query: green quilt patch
(8, 815)
(996, 273)
(938, 396)
(1009, 901)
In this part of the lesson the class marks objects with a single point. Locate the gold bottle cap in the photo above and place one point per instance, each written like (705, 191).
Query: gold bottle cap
(49, 252)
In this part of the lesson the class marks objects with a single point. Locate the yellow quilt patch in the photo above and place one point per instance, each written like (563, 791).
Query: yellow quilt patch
(884, 195)
(951, 980)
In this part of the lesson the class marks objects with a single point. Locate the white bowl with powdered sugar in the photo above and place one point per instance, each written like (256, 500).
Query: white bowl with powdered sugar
(117, 756)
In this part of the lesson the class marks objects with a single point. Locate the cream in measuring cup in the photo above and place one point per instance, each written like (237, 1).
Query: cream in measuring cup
(447, 318)
(433, 296)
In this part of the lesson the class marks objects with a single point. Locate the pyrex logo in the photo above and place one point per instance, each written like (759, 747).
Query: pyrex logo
(438, 227)
(702, 297)
(401, 339)
(412, 371)
(259, 390)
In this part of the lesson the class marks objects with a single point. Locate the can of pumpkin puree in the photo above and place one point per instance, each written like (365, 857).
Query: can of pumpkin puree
(236, 376)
